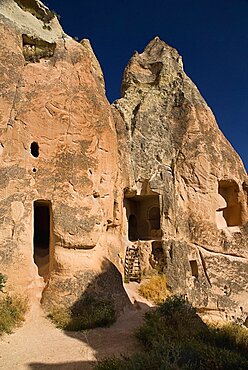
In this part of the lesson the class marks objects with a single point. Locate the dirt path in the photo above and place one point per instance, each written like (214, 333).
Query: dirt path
(38, 345)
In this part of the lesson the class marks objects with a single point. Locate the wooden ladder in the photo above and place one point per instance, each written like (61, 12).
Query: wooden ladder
(132, 263)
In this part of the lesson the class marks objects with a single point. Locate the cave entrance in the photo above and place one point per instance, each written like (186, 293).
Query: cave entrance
(143, 216)
(42, 236)
(229, 213)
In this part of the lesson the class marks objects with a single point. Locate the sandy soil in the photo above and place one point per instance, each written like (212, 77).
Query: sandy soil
(39, 345)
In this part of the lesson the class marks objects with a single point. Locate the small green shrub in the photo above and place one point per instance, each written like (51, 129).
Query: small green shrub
(175, 319)
(12, 311)
(154, 289)
(3, 279)
(231, 336)
(159, 358)
(176, 303)
(195, 354)
(174, 337)
(60, 316)
(87, 313)
(110, 364)
(190, 356)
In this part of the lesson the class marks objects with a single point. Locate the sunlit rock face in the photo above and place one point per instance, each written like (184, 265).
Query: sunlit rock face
(81, 181)
(178, 154)
(59, 185)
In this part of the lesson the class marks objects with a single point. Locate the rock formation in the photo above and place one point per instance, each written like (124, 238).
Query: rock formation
(183, 170)
(81, 181)
(60, 190)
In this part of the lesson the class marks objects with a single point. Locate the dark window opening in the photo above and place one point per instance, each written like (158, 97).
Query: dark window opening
(36, 49)
(194, 268)
(41, 241)
(143, 214)
(34, 149)
(132, 228)
(157, 251)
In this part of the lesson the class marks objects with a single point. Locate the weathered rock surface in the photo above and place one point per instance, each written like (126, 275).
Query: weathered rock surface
(81, 180)
(178, 152)
(58, 158)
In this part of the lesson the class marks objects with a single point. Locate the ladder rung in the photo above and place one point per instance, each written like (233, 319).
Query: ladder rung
(132, 263)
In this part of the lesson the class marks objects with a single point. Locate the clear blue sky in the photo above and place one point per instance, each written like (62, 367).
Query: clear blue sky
(211, 35)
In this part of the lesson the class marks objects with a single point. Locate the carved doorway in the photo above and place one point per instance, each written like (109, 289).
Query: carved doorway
(42, 237)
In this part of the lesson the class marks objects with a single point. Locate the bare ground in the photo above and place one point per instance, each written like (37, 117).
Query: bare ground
(39, 345)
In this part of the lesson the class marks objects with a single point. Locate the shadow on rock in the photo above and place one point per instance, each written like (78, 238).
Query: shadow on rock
(104, 306)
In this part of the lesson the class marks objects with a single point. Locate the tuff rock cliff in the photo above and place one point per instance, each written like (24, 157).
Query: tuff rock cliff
(58, 160)
(177, 153)
(81, 181)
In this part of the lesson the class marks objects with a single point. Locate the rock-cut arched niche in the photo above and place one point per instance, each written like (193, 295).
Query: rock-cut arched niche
(143, 216)
(229, 210)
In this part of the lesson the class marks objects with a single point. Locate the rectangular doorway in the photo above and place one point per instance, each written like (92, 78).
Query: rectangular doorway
(42, 237)
(143, 216)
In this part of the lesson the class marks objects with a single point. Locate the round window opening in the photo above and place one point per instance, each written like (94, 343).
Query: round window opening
(34, 149)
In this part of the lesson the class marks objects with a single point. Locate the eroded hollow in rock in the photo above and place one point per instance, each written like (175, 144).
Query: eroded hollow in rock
(229, 214)
(143, 215)
(36, 49)
(42, 236)
(36, 9)
(34, 149)
(157, 251)
(194, 268)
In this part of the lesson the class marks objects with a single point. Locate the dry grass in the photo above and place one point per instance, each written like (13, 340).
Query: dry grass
(87, 313)
(231, 335)
(154, 289)
(12, 312)
(60, 316)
